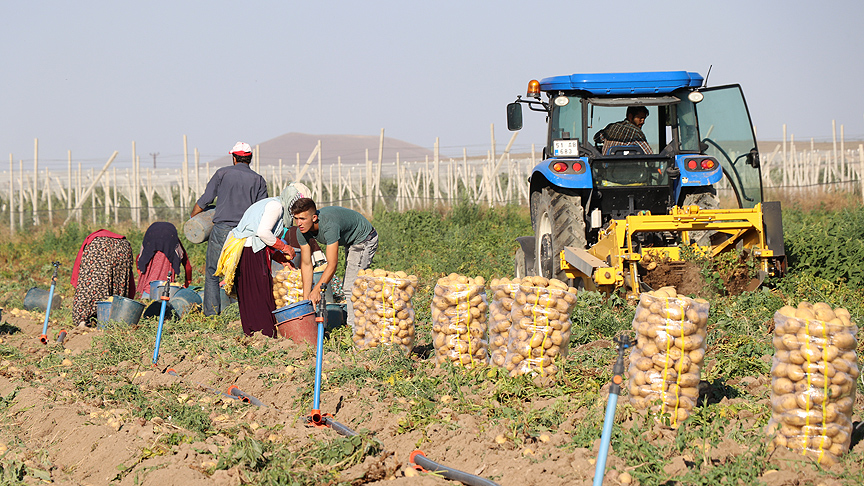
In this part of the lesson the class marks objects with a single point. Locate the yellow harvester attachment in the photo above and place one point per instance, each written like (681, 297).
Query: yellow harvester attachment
(613, 262)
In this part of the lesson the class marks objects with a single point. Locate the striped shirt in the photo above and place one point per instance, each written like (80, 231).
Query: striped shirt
(620, 133)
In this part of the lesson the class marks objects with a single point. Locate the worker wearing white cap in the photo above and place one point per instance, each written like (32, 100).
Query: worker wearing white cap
(234, 188)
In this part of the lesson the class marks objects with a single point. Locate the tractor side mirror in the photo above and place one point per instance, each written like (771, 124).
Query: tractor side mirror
(753, 158)
(514, 116)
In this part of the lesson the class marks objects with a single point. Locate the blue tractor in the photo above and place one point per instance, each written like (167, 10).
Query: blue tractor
(625, 145)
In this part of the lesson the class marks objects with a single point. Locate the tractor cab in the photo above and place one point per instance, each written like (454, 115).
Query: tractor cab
(602, 162)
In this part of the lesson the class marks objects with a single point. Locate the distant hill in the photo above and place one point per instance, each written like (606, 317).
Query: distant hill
(352, 149)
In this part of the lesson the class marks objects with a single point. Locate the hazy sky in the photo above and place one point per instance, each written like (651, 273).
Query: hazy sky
(92, 76)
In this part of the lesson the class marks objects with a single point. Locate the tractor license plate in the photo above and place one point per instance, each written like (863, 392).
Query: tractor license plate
(565, 147)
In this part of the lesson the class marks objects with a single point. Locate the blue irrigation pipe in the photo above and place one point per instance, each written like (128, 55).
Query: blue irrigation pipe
(166, 294)
(623, 342)
(44, 338)
(321, 318)
(426, 464)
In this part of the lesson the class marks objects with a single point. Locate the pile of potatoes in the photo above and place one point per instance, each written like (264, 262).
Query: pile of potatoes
(666, 362)
(813, 380)
(541, 326)
(459, 314)
(386, 315)
(503, 295)
(287, 287)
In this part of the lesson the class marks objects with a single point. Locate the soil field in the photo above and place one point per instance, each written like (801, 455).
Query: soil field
(93, 410)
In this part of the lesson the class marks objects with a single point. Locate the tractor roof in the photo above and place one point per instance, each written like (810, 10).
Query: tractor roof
(657, 82)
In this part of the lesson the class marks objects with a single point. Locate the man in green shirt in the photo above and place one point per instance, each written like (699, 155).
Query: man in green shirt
(331, 227)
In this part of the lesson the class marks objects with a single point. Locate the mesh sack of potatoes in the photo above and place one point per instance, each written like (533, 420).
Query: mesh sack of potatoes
(287, 287)
(503, 296)
(541, 326)
(813, 380)
(666, 362)
(459, 317)
(388, 316)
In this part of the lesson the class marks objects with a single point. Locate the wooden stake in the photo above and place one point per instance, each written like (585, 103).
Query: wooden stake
(69, 175)
(11, 198)
(198, 176)
(378, 170)
(35, 181)
(116, 205)
(79, 199)
(320, 172)
(436, 175)
(833, 165)
(184, 189)
(21, 194)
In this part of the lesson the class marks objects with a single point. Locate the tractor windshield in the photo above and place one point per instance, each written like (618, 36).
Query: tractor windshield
(610, 124)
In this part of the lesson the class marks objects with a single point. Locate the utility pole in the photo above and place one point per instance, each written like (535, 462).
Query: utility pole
(154, 158)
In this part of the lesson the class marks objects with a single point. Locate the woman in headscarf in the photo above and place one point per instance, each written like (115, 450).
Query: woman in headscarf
(247, 253)
(102, 268)
(161, 251)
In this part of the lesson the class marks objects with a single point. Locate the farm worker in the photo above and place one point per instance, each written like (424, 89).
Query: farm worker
(246, 256)
(102, 268)
(160, 252)
(234, 188)
(625, 132)
(331, 227)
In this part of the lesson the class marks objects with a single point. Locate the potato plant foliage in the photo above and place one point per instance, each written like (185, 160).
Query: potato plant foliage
(826, 261)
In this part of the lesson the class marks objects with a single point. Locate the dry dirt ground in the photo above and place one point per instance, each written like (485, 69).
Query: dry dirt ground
(63, 438)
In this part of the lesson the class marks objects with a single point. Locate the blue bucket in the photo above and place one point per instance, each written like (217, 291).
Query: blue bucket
(291, 311)
(126, 310)
(103, 313)
(37, 299)
(184, 301)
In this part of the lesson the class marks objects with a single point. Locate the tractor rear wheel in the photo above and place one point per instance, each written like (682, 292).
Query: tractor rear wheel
(558, 222)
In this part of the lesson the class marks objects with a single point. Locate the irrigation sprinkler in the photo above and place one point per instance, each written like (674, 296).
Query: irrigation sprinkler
(62, 336)
(624, 341)
(315, 417)
(44, 338)
(166, 294)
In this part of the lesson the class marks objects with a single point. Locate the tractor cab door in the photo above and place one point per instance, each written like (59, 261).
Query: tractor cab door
(727, 134)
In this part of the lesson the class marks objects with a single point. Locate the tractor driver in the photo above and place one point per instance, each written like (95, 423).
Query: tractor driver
(625, 132)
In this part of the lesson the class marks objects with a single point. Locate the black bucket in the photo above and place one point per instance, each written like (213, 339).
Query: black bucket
(37, 299)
